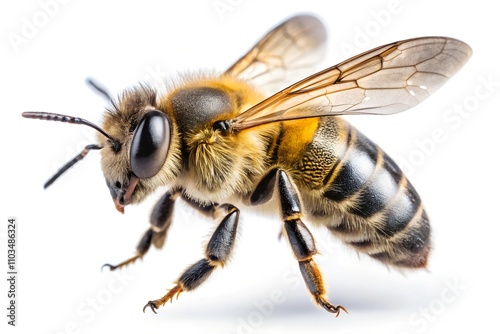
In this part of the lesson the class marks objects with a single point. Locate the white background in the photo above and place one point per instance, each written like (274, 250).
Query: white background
(69, 230)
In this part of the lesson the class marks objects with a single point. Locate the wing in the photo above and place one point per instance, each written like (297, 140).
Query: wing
(295, 45)
(385, 80)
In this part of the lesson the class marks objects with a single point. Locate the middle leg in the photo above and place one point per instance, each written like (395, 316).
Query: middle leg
(217, 254)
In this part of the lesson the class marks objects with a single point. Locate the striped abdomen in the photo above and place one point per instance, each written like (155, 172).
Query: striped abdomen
(366, 200)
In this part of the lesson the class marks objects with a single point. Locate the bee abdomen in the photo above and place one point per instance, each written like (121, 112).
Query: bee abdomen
(383, 214)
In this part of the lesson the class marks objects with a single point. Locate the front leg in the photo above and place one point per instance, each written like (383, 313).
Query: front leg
(160, 220)
(217, 254)
(299, 236)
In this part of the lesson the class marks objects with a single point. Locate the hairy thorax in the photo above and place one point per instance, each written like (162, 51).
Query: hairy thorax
(216, 164)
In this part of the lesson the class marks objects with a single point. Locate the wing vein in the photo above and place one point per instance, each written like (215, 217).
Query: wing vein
(385, 80)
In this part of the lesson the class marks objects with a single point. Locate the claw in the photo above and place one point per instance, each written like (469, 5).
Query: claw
(152, 305)
(123, 264)
(339, 308)
(155, 304)
(110, 266)
(329, 307)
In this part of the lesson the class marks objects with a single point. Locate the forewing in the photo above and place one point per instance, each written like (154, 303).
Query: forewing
(386, 80)
(286, 51)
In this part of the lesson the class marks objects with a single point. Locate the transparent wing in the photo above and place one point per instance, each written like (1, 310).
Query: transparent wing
(286, 51)
(385, 80)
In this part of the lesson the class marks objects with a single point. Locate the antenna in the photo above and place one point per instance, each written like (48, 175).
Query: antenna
(46, 116)
(115, 144)
(70, 163)
(101, 90)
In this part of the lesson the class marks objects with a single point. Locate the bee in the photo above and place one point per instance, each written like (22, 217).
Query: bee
(216, 140)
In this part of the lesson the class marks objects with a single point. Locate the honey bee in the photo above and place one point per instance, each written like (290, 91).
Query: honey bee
(216, 140)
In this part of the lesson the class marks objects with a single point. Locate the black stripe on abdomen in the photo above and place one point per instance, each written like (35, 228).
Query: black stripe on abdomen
(378, 191)
(371, 186)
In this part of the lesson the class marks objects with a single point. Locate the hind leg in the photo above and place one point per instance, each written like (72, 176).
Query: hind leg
(299, 236)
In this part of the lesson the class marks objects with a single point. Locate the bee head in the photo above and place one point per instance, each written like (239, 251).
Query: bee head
(147, 155)
(138, 143)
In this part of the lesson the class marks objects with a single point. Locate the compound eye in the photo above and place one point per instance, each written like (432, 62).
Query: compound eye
(150, 144)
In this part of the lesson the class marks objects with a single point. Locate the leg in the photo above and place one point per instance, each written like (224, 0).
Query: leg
(209, 210)
(217, 254)
(299, 236)
(160, 221)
